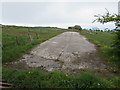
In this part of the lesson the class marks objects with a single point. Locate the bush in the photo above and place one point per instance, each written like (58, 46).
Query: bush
(117, 43)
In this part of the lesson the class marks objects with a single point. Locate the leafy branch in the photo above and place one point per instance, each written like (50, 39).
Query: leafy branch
(107, 17)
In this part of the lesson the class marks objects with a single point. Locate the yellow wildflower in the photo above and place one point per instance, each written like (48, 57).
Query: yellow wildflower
(66, 75)
(29, 72)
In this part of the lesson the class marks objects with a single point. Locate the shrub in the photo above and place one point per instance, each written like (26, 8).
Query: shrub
(117, 43)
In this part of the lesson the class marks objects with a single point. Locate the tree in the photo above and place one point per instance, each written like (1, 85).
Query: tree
(78, 27)
(70, 27)
(107, 17)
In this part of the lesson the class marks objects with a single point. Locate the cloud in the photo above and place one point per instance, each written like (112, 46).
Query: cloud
(59, 1)
(54, 13)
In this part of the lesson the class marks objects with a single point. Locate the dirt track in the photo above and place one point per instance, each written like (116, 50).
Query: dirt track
(67, 51)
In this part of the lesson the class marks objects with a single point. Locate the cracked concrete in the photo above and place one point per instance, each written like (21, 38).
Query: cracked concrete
(69, 50)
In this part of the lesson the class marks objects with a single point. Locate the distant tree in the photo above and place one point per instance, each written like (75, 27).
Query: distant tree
(70, 27)
(78, 27)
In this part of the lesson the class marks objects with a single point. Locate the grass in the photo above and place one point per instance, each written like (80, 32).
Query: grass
(105, 41)
(18, 40)
(100, 38)
(35, 78)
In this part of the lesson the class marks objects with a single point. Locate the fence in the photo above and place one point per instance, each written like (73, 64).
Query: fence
(21, 37)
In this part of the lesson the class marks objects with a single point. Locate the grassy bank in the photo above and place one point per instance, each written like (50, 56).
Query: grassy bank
(105, 41)
(34, 78)
(18, 40)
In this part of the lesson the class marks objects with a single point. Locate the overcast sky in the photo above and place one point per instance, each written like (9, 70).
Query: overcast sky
(60, 14)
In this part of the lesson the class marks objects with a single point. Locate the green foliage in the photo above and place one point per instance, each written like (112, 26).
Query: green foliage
(117, 43)
(107, 17)
(35, 78)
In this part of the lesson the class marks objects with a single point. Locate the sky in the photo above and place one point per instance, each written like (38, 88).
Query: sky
(56, 13)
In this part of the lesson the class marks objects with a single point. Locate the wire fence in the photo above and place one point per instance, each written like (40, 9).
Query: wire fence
(21, 38)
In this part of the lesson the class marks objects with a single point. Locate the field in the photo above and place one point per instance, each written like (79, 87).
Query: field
(19, 40)
(105, 42)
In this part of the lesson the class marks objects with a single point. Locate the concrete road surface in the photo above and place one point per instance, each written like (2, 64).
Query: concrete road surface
(67, 51)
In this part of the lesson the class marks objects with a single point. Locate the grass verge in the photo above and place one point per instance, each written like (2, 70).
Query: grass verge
(35, 78)
(105, 41)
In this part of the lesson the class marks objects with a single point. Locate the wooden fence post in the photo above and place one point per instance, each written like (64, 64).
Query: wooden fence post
(17, 41)
(28, 29)
(37, 35)
(30, 37)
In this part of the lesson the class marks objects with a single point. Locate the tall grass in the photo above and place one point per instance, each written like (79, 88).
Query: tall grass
(35, 78)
